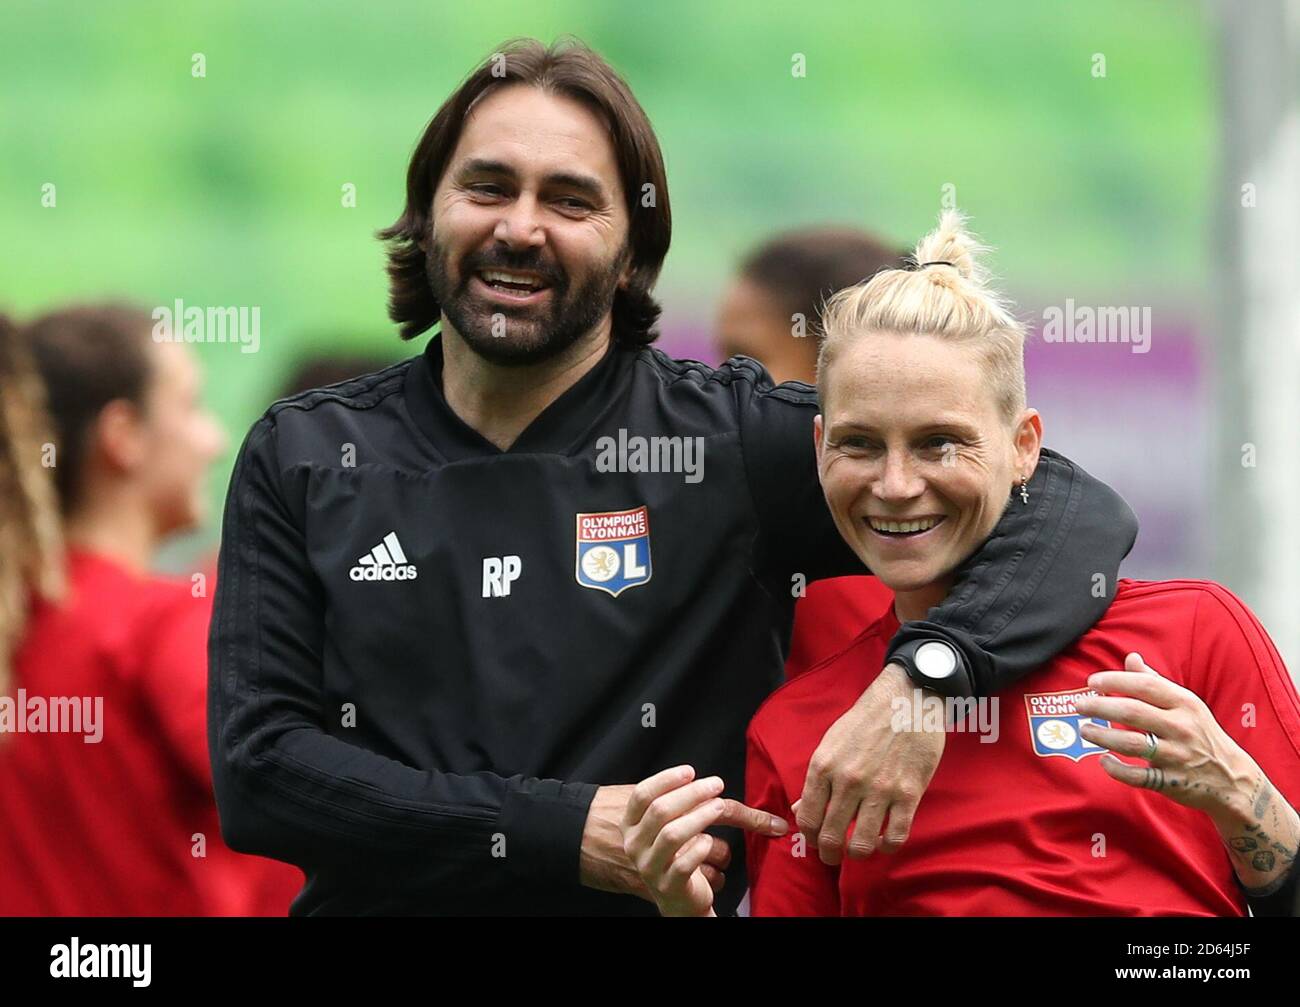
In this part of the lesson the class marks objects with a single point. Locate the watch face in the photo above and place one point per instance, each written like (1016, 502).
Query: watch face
(935, 659)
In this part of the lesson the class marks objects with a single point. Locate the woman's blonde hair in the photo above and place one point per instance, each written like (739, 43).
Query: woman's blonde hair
(31, 536)
(945, 294)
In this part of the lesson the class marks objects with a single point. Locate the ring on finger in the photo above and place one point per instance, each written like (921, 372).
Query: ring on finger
(1153, 743)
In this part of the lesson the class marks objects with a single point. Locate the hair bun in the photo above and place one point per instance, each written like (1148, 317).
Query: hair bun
(950, 244)
(944, 293)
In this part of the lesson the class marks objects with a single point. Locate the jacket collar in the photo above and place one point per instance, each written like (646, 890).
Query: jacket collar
(560, 428)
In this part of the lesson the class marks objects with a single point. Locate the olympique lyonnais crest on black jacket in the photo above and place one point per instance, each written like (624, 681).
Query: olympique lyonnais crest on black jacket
(427, 652)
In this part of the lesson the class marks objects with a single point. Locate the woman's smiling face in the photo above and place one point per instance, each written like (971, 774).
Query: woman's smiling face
(916, 459)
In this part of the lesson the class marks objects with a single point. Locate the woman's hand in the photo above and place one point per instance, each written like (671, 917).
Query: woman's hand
(1193, 761)
(664, 837)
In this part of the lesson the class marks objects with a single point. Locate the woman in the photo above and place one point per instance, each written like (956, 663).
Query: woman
(106, 803)
(924, 440)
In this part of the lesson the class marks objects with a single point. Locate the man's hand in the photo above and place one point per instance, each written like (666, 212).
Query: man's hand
(604, 865)
(663, 833)
(865, 770)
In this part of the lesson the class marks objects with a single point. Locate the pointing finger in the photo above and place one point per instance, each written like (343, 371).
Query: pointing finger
(752, 819)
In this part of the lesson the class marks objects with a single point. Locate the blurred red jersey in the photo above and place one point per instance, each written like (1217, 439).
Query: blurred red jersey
(1030, 824)
(105, 787)
(830, 616)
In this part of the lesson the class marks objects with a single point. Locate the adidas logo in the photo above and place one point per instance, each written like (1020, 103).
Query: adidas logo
(385, 561)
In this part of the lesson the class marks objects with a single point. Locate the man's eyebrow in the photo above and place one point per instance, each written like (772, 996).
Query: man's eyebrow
(587, 184)
(483, 166)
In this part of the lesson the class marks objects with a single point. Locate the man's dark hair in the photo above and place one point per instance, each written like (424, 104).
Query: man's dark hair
(568, 68)
(800, 269)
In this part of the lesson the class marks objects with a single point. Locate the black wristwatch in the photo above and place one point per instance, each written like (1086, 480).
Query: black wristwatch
(936, 665)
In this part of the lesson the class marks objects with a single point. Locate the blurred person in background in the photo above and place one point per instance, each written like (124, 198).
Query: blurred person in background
(771, 311)
(924, 421)
(106, 804)
(318, 370)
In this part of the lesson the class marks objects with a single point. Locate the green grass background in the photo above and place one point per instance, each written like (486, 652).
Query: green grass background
(226, 189)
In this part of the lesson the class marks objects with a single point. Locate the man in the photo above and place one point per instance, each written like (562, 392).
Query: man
(464, 601)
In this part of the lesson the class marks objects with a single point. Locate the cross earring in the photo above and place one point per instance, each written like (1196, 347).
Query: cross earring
(1024, 491)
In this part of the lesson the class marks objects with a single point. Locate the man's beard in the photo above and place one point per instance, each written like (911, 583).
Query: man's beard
(528, 334)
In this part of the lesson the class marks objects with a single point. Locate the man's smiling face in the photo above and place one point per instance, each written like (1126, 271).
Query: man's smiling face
(529, 227)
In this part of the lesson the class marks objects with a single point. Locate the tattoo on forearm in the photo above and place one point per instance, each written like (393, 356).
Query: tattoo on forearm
(1257, 849)
(1262, 799)
(1259, 838)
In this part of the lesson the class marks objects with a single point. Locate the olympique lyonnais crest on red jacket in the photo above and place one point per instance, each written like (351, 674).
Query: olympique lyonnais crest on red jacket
(614, 550)
(1054, 724)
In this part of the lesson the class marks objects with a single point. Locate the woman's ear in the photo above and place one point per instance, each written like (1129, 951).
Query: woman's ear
(118, 437)
(1028, 442)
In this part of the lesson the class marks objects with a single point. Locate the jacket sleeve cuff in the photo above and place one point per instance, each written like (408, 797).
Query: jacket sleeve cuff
(1281, 898)
(543, 828)
(977, 675)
